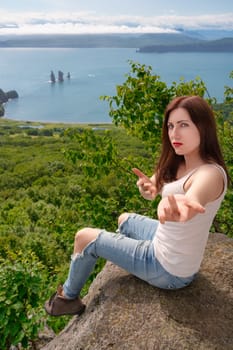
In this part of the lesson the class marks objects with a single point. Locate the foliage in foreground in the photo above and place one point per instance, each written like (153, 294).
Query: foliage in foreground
(22, 283)
(55, 180)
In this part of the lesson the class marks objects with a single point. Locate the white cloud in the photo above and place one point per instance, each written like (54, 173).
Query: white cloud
(84, 22)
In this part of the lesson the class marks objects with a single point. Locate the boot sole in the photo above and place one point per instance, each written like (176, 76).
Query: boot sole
(78, 313)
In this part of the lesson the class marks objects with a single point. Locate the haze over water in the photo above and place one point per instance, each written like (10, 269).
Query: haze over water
(94, 72)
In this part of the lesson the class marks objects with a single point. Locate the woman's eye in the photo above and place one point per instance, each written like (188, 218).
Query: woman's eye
(170, 126)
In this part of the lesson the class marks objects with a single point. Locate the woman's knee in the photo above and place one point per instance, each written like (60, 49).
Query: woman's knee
(83, 237)
(123, 217)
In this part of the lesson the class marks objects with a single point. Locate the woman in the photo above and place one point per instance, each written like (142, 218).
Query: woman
(192, 179)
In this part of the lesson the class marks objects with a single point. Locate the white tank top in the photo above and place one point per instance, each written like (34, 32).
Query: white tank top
(180, 247)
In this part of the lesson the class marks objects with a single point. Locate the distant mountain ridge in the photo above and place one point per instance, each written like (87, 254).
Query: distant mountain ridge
(162, 42)
(221, 45)
(95, 40)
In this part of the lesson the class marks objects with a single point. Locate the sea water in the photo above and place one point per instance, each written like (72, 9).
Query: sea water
(94, 72)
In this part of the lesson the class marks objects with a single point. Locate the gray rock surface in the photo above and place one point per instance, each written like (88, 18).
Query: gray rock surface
(124, 313)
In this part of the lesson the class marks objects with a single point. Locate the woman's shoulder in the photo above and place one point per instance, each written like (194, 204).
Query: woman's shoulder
(210, 179)
(211, 169)
(205, 168)
(211, 172)
(212, 176)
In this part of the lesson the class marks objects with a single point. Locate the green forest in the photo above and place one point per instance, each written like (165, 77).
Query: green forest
(58, 178)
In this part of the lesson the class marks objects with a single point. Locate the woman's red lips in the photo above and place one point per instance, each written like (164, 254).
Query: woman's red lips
(177, 144)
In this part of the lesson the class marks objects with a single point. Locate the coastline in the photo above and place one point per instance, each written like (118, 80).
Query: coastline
(35, 124)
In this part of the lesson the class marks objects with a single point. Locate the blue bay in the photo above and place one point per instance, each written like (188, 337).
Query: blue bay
(94, 72)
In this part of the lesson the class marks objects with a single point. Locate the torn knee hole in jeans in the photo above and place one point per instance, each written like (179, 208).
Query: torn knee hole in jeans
(75, 256)
(124, 222)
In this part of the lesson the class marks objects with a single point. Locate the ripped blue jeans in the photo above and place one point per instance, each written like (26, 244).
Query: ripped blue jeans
(131, 249)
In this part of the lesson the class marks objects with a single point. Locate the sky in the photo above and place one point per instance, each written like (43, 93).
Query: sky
(113, 16)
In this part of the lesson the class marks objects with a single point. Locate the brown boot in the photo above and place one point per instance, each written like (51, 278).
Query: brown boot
(57, 305)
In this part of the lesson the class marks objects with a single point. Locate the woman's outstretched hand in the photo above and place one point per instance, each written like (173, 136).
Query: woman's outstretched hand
(145, 185)
(178, 208)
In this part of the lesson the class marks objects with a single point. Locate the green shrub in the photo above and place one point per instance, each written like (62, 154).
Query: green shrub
(22, 285)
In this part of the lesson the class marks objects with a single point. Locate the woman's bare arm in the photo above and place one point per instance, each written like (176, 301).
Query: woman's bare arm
(204, 186)
(146, 185)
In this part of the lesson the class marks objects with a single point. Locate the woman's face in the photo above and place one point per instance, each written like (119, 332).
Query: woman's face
(183, 133)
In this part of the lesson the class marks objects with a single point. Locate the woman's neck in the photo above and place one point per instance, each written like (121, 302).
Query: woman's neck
(192, 161)
(188, 165)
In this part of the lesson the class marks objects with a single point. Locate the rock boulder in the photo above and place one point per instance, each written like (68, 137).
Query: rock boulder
(124, 313)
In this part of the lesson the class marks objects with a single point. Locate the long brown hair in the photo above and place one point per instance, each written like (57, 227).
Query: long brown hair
(203, 117)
